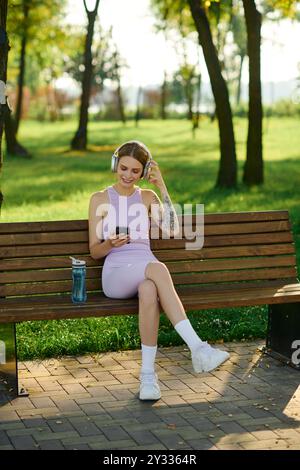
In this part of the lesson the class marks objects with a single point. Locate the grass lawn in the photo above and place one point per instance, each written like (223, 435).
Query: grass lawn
(57, 183)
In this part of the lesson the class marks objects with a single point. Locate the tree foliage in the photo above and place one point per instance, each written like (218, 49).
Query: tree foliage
(283, 8)
(47, 37)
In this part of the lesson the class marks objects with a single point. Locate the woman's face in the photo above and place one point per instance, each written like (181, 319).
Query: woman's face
(129, 171)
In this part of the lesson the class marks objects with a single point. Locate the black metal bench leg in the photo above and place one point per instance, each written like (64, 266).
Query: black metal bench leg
(283, 335)
(9, 360)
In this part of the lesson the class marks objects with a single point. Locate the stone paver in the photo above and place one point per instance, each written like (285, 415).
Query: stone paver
(91, 402)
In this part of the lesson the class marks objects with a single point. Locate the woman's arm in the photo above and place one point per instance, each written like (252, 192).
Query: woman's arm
(163, 213)
(101, 249)
(98, 247)
(98, 209)
(169, 216)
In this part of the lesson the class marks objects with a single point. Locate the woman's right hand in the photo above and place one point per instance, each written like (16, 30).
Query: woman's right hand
(118, 240)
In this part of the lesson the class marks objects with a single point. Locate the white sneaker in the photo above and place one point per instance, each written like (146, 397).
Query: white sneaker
(149, 388)
(205, 358)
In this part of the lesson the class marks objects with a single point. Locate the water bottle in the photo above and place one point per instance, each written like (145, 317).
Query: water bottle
(78, 276)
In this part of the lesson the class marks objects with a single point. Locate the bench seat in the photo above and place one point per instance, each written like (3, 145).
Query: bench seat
(97, 305)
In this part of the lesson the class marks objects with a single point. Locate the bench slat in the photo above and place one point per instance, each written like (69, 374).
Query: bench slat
(43, 226)
(224, 217)
(61, 225)
(280, 285)
(174, 267)
(229, 264)
(29, 288)
(43, 238)
(228, 276)
(163, 255)
(35, 300)
(43, 263)
(82, 248)
(40, 238)
(225, 252)
(104, 306)
(229, 240)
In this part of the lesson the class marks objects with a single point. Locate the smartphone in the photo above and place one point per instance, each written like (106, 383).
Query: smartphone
(121, 230)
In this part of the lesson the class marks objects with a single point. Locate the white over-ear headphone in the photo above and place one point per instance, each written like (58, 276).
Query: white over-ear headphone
(115, 158)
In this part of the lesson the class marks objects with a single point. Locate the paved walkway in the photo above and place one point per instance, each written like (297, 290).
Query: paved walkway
(91, 402)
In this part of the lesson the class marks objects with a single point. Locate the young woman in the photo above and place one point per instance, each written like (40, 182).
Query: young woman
(130, 267)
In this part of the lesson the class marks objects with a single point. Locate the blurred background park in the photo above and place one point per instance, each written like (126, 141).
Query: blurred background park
(212, 87)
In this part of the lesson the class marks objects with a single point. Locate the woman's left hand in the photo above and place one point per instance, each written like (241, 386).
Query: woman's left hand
(155, 176)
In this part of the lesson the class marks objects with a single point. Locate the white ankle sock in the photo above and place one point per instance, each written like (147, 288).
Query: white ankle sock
(148, 358)
(188, 334)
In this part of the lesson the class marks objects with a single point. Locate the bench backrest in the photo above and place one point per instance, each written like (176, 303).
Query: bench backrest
(245, 246)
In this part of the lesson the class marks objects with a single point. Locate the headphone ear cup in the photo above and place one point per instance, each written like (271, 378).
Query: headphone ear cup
(146, 169)
(114, 163)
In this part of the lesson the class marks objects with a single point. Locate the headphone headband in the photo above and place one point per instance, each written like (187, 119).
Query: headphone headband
(115, 157)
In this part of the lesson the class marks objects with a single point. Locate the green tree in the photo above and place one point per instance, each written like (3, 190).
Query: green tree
(79, 141)
(4, 48)
(195, 16)
(107, 65)
(240, 41)
(253, 168)
(227, 176)
(196, 116)
(114, 72)
(139, 97)
(188, 78)
(219, 15)
(41, 47)
(284, 8)
(38, 45)
(101, 57)
(161, 26)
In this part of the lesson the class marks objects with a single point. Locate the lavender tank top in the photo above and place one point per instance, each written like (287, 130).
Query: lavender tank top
(127, 211)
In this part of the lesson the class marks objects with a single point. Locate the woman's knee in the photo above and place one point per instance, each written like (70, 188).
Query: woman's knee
(147, 291)
(155, 269)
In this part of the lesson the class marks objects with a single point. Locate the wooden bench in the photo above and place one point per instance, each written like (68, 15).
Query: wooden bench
(248, 258)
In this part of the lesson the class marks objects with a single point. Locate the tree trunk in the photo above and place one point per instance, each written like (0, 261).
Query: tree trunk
(227, 176)
(121, 103)
(196, 115)
(10, 125)
(137, 113)
(163, 98)
(79, 141)
(239, 85)
(198, 95)
(14, 148)
(4, 48)
(189, 98)
(253, 169)
(21, 76)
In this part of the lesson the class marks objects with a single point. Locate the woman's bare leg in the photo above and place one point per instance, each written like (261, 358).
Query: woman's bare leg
(148, 313)
(169, 300)
(204, 357)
